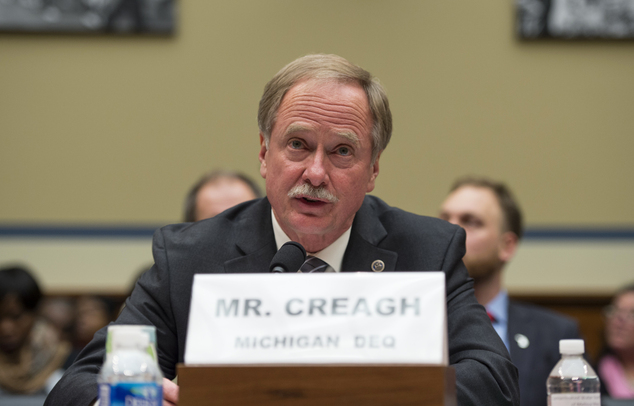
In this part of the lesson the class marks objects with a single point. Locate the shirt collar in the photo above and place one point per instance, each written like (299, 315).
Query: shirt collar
(332, 254)
(499, 306)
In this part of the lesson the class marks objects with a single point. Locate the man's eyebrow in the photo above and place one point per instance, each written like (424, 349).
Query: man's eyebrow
(350, 136)
(296, 128)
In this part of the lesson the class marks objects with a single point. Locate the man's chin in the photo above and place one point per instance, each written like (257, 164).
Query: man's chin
(311, 226)
(480, 272)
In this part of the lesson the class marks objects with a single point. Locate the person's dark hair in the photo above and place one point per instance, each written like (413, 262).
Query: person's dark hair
(19, 281)
(190, 200)
(510, 209)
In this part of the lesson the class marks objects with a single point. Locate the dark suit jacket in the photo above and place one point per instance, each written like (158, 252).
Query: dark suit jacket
(544, 329)
(241, 240)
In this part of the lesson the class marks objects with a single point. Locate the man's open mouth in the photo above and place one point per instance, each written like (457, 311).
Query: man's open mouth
(310, 200)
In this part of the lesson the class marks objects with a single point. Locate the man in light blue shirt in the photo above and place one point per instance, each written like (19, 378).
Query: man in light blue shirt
(493, 221)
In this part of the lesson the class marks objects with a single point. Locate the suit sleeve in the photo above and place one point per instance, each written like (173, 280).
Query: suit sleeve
(485, 374)
(572, 331)
(149, 304)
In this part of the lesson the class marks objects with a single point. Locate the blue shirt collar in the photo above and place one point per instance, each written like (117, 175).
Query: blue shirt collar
(499, 307)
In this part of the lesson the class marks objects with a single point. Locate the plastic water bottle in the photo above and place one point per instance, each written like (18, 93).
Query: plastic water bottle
(130, 376)
(573, 382)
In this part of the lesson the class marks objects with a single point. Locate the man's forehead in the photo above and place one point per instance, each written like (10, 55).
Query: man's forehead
(341, 106)
(475, 200)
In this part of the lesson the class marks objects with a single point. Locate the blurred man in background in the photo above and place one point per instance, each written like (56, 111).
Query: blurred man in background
(217, 191)
(493, 221)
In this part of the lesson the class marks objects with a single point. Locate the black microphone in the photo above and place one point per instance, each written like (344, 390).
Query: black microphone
(289, 258)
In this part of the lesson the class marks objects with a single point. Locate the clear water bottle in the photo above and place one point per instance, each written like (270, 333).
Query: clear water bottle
(130, 376)
(573, 382)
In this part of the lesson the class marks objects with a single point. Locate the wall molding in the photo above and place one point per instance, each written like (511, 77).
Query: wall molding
(147, 230)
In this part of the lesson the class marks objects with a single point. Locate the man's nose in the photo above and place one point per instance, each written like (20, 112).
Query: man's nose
(316, 173)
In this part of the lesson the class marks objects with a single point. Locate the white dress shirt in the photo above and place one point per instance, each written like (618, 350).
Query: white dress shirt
(332, 254)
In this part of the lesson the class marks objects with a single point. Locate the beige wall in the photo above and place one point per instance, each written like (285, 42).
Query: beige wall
(104, 130)
(111, 265)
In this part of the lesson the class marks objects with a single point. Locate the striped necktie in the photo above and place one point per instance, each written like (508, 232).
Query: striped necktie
(314, 264)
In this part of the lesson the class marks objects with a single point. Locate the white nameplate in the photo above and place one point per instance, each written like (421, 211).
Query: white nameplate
(342, 318)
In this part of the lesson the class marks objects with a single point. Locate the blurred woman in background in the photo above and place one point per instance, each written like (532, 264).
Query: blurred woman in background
(616, 366)
(31, 354)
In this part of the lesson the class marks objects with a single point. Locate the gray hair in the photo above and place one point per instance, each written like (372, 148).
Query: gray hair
(327, 67)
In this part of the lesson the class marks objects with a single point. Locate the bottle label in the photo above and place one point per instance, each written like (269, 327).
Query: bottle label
(130, 394)
(574, 399)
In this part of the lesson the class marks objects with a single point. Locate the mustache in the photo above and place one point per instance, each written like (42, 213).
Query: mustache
(314, 192)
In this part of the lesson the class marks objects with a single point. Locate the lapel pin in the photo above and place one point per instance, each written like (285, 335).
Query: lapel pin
(522, 341)
(378, 266)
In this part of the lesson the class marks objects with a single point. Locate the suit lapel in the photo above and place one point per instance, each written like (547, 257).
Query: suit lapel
(518, 324)
(254, 240)
(362, 251)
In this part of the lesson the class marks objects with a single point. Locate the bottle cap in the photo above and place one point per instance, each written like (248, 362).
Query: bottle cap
(571, 347)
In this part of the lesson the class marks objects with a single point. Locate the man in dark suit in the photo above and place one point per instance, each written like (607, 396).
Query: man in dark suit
(323, 126)
(493, 222)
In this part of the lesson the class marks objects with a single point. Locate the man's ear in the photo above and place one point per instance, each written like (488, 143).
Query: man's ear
(262, 156)
(374, 174)
(509, 241)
